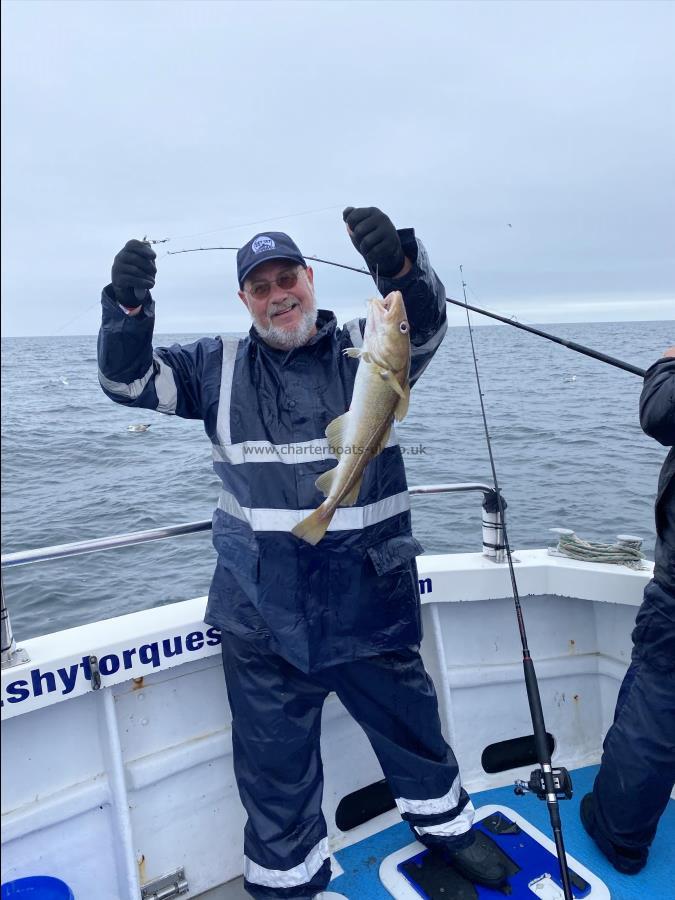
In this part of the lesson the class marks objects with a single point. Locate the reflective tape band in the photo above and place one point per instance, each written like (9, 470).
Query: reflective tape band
(435, 805)
(460, 824)
(264, 451)
(230, 348)
(287, 878)
(346, 518)
(131, 390)
(289, 454)
(165, 386)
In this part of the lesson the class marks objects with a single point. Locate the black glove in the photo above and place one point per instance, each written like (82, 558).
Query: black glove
(133, 273)
(374, 236)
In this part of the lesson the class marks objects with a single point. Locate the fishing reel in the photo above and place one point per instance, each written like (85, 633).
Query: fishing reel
(562, 784)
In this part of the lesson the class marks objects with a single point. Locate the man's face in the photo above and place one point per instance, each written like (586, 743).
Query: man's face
(284, 314)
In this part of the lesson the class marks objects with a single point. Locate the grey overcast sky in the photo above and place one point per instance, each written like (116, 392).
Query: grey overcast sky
(533, 142)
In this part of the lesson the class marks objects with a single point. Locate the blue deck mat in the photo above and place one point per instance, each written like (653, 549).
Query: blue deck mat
(361, 862)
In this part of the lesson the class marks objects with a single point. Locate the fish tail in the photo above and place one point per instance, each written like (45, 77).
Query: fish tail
(314, 526)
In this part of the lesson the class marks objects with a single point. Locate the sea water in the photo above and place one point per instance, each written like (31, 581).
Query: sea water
(566, 437)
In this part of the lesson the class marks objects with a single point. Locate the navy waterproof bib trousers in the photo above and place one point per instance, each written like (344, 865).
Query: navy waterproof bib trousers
(276, 726)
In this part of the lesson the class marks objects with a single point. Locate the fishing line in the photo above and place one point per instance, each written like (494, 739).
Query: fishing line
(532, 687)
(306, 212)
(77, 316)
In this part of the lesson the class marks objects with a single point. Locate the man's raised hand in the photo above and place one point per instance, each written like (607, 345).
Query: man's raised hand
(376, 239)
(133, 273)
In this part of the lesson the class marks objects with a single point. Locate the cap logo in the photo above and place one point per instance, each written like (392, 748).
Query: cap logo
(262, 243)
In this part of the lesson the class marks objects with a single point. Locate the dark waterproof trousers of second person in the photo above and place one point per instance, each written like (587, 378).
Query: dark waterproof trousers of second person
(638, 764)
(276, 725)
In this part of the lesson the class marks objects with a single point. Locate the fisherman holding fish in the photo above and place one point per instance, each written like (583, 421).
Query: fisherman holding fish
(316, 587)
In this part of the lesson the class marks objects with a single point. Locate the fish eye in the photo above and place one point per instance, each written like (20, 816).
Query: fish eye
(403, 327)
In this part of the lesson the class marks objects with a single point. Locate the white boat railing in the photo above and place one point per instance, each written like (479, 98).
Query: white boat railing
(493, 548)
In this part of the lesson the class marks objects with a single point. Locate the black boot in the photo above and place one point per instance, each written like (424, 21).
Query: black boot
(628, 860)
(480, 862)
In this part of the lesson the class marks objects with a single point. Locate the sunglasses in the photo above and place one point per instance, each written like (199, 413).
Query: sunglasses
(260, 290)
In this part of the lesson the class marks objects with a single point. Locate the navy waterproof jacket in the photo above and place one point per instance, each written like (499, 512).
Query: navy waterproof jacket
(657, 417)
(265, 411)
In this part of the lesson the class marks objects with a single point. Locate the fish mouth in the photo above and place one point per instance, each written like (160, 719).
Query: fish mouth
(381, 306)
(284, 309)
(391, 305)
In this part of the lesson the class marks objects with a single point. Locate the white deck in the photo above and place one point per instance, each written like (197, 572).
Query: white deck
(117, 786)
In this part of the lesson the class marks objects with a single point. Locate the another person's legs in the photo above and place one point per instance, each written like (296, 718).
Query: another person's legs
(393, 699)
(276, 724)
(637, 771)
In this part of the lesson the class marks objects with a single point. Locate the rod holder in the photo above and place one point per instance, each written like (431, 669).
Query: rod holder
(493, 527)
(11, 654)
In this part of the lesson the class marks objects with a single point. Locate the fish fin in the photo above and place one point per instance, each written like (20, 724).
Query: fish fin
(401, 410)
(335, 433)
(390, 379)
(358, 353)
(314, 526)
(350, 498)
(325, 481)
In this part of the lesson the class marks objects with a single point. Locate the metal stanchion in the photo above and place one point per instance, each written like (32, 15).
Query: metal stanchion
(11, 654)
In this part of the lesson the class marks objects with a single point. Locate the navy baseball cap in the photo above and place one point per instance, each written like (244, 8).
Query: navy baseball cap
(264, 247)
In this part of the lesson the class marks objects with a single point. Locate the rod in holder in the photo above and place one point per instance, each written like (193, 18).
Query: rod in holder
(493, 527)
(11, 654)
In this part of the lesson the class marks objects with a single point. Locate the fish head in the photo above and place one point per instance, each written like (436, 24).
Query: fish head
(387, 334)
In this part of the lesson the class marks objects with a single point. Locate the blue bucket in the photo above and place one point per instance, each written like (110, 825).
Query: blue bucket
(38, 887)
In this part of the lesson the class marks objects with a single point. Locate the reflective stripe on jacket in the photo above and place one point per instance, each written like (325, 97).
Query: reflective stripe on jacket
(265, 411)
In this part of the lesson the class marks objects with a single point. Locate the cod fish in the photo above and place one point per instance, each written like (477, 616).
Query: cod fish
(381, 394)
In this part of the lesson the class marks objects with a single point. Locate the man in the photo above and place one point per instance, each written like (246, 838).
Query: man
(297, 620)
(637, 772)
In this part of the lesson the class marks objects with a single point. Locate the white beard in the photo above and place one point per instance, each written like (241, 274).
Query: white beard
(285, 339)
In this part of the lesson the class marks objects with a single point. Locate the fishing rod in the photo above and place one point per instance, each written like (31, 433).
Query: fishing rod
(328, 262)
(548, 783)
(571, 345)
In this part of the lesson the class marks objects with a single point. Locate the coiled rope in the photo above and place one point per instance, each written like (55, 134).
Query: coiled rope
(625, 552)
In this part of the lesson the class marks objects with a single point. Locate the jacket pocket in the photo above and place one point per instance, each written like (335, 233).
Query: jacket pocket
(237, 547)
(394, 553)
(231, 605)
(241, 559)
